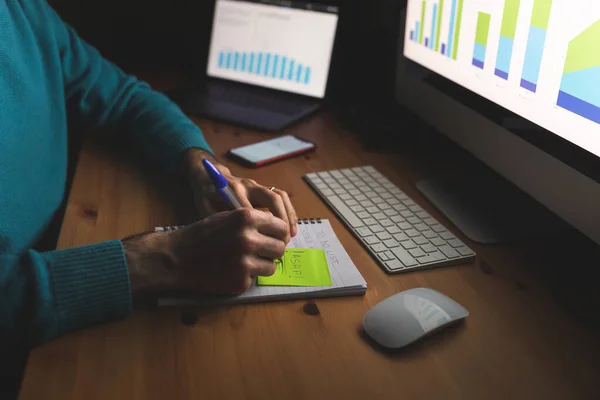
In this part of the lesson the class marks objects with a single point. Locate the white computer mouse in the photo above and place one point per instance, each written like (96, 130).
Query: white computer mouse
(408, 316)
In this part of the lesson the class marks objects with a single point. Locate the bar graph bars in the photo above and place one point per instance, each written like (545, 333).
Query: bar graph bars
(265, 64)
(481, 39)
(435, 39)
(581, 75)
(535, 44)
(507, 37)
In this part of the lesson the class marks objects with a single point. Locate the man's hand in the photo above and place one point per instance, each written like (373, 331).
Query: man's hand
(250, 193)
(220, 255)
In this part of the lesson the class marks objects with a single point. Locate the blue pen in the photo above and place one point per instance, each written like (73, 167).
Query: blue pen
(221, 185)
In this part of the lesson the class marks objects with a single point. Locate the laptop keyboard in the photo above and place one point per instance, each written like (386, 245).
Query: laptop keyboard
(396, 231)
(247, 98)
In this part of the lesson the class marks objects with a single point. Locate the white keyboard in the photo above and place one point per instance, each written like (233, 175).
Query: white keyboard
(397, 232)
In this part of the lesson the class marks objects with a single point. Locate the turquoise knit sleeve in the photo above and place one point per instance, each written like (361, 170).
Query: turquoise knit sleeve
(105, 96)
(48, 294)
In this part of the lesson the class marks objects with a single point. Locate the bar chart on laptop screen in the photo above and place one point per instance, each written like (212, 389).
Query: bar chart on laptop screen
(272, 46)
(537, 58)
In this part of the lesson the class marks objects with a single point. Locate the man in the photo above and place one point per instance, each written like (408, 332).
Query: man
(45, 69)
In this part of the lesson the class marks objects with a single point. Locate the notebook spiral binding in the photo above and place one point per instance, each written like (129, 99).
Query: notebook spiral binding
(307, 221)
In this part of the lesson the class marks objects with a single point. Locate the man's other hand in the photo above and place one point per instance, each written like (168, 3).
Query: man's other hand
(250, 193)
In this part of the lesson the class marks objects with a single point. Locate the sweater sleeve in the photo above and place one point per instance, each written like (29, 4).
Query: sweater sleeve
(105, 96)
(48, 294)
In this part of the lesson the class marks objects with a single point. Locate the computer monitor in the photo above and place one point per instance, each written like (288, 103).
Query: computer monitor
(514, 82)
(277, 44)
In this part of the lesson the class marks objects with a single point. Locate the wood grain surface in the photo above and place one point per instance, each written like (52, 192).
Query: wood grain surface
(517, 343)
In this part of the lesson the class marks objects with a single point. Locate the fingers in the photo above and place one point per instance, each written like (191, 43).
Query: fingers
(273, 202)
(291, 212)
(261, 267)
(269, 225)
(269, 248)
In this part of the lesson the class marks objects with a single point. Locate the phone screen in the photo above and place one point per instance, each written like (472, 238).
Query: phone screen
(272, 148)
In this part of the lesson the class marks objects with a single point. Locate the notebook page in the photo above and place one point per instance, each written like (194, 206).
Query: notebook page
(317, 235)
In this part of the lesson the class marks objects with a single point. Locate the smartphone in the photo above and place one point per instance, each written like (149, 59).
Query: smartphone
(272, 150)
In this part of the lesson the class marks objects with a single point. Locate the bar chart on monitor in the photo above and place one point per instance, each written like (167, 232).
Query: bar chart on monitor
(277, 47)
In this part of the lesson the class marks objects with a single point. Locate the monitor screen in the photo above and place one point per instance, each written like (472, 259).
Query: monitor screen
(276, 44)
(537, 58)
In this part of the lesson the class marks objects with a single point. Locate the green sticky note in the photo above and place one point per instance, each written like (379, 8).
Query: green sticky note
(299, 267)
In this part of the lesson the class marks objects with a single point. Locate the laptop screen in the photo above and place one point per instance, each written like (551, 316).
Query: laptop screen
(276, 44)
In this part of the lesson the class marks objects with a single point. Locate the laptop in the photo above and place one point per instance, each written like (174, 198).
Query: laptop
(268, 63)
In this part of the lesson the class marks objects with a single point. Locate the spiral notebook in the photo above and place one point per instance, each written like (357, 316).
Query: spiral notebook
(312, 233)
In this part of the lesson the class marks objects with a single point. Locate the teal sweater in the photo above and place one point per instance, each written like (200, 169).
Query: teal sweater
(45, 68)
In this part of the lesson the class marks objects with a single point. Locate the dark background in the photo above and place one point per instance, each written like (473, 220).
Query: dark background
(147, 35)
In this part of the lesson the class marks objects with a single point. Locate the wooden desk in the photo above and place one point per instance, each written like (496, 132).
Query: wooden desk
(518, 342)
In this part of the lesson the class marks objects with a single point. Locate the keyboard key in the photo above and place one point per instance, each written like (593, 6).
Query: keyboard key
(390, 243)
(335, 186)
(429, 234)
(406, 213)
(376, 228)
(408, 244)
(372, 209)
(354, 192)
(431, 257)
(421, 227)
(345, 196)
(368, 221)
(377, 200)
(387, 222)
(412, 232)
(420, 240)
(408, 202)
(438, 228)
(389, 197)
(363, 215)
(360, 198)
(347, 213)
(351, 202)
(397, 191)
(404, 256)
(465, 251)
(397, 219)
(413, 220)
(340, 191)
(344, 182)
(438, 242)
(367, 203)
(455, 243)
(372, 240)
(428, 248)
(384, 206)
(422, 214)
(449, 251)
(383, 256)
(430, 221)
(391, 212)
(416, 252)
(378, 248)
(415, 208)
(327, 192)
(401, 237)
(390, 255)
(364, 231)
(380, 216)
(383, 235)
(393, 229)
(336, 174)
(404, 226)
(357, 209)
(394, 265)
(381, 190)
(399, 207)
(447, 235)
